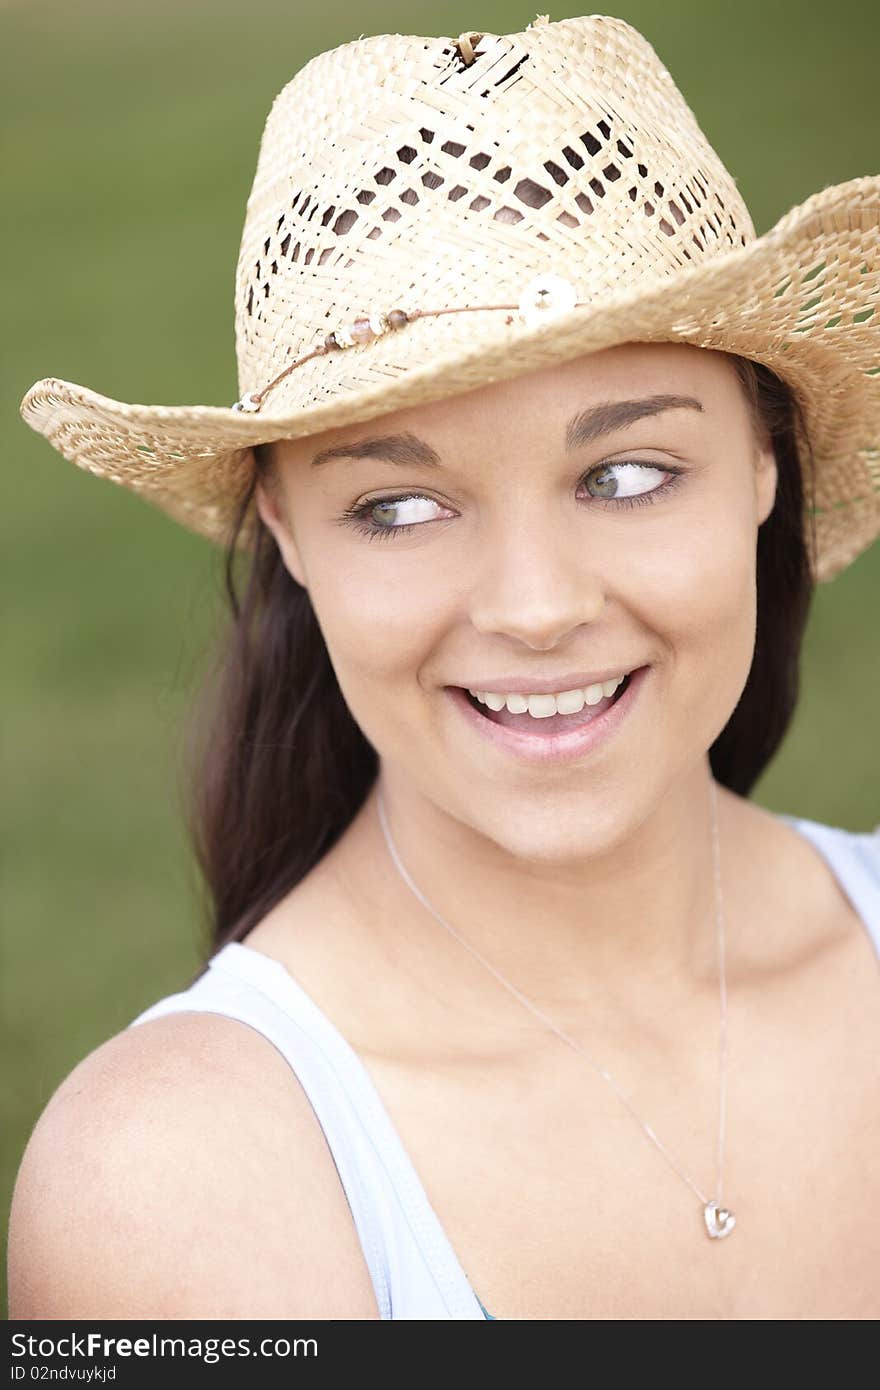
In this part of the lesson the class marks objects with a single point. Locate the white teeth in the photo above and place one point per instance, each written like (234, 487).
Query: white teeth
(542, 706)
(570, 702)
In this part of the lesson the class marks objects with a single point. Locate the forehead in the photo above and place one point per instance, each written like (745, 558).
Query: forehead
(544, 400)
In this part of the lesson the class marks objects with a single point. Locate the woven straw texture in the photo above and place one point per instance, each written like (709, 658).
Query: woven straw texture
(401, 171)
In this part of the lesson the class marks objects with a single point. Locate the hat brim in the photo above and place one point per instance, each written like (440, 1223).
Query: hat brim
(802, 299)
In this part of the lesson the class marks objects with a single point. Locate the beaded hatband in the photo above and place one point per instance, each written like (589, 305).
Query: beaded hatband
(543, 298)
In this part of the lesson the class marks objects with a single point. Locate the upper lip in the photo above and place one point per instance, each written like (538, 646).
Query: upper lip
(532, 685)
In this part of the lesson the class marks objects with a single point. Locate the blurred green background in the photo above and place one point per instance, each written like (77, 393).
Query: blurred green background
(131, 135)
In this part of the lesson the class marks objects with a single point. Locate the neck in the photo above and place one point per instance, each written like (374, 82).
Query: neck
(629, 917)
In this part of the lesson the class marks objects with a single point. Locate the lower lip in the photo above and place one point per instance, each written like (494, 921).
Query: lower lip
(558, 747)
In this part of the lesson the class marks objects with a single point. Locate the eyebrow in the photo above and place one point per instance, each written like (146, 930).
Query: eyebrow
(408, 450)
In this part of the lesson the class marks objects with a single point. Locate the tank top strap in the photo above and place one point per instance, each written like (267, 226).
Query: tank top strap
(413, 1268)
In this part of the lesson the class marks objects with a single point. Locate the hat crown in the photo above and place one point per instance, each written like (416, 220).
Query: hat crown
(391, 172)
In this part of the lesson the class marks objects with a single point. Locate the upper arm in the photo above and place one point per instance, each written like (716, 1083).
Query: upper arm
(180, 1171)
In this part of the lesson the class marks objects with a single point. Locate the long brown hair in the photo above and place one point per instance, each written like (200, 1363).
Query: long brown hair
(276, 767)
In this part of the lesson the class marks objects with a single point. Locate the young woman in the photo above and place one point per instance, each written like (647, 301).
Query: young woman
(515, 1005)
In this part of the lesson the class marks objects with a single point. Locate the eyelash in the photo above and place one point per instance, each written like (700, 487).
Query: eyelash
(355, 516)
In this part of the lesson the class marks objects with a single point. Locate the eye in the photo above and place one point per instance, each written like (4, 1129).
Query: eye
(416, 508)
(633, 473)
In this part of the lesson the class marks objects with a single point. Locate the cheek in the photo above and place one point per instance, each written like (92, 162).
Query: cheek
(705, 610)
(380, 627)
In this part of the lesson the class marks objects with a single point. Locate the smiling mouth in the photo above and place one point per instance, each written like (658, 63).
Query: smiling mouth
(549, 724)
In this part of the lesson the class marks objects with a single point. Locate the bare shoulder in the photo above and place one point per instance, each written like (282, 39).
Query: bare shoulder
(179, 1171)
(780, 875)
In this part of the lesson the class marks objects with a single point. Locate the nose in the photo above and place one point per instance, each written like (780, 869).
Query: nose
(535, 583)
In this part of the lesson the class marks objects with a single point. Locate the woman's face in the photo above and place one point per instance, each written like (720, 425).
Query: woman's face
(490, 544)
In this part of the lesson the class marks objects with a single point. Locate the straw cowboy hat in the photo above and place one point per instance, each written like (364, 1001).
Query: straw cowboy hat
(429, 215)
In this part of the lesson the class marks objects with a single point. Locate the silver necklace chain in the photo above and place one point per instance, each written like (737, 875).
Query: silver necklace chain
(719, 1221)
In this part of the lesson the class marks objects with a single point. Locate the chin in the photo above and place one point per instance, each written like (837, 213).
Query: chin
(548, 830)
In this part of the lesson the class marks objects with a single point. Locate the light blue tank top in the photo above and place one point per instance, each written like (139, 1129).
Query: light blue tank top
(414, 1270)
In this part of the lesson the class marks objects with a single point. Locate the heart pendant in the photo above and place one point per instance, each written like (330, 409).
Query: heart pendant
(720, 1221)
